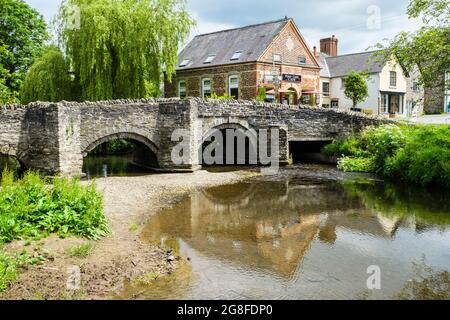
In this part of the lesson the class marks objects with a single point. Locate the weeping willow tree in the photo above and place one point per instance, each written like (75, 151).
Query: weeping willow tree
(48, 79)
(118, 48)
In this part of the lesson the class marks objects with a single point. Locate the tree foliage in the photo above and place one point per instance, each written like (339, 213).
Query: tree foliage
(48, 79)
(22, 34)
(120, 47)
(356, 88)
(427, 48)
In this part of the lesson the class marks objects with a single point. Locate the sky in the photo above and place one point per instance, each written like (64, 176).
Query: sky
(358, 24)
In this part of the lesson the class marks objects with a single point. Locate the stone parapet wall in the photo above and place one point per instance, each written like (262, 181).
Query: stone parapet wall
(54, 137)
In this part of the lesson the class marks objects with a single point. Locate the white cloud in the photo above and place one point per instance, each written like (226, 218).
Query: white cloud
(347, 19)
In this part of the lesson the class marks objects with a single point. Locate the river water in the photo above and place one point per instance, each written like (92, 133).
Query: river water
(310, 232)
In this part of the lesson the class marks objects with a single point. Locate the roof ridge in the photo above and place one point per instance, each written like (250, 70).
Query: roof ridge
(350, 54)
(244, 27)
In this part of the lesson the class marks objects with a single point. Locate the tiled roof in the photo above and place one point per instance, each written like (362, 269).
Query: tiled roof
(340, 66)
(252, 41)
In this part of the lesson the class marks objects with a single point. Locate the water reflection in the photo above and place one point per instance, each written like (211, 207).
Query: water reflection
(108, 166)
(303, 236)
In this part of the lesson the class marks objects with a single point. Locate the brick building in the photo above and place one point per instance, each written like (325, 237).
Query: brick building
(271, 57)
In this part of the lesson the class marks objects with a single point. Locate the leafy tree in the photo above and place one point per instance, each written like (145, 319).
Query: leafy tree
(120, 47)
(427, 48)
(6, 95)
(22, 34)
(49, 79)
(356, 88)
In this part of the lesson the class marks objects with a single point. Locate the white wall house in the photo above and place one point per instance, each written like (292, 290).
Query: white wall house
(387, 84)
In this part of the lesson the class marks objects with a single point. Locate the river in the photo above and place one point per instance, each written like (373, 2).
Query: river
(310, 232)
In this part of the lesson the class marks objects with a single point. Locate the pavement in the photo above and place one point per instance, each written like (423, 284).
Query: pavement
(432, 119)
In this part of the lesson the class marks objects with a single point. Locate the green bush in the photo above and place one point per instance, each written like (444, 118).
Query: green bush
(349, 164)
(425, 158)
(346, 147)
(418, 154)
(32, 208)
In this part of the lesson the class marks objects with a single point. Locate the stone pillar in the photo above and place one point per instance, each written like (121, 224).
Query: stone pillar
(181, 116)
(53, 139)
(70, 157)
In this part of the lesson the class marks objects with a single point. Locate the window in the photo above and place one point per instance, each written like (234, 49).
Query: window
(342, 83)
(276, 57)
(415, 86)
(326, 89)
(384, 103)
(236, 55)
(233, 87)
(210, 58)
(393, 79)
(182, 89)
(206, 88)
(185, 62)
(335, 104)
(302, 60)
(326, 106)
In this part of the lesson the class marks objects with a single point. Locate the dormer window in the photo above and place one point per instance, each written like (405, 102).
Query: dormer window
(210, 58)
(185, 62)
(276, 57)
(302, 60)
(236, 55)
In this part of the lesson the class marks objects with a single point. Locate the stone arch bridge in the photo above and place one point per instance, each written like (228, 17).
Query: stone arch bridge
(54, 137)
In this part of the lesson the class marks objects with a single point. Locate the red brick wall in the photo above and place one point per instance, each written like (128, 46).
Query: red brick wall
(219, 76)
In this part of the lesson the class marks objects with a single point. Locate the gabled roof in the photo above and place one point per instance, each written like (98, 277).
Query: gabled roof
(324, 71)
(251, 40)
(340, 66)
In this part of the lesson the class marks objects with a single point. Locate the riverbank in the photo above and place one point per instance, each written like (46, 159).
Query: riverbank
(122, 256)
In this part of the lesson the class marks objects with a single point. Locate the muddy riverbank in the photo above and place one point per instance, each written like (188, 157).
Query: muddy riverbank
(128, 202)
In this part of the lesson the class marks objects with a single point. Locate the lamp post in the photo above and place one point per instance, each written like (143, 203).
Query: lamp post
(276, 80)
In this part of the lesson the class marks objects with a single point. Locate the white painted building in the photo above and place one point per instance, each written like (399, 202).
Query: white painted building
(387, 84)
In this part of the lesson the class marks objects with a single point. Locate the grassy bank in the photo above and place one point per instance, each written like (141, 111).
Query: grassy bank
(414, 154)
(33, 207)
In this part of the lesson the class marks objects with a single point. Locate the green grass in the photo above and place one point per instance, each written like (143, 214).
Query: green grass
(32, 208)
(80, 251)
(415, 154)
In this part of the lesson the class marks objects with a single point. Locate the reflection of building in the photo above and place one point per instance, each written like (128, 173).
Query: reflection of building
(272, 57)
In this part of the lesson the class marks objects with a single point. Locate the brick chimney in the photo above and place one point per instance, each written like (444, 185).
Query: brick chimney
(329, 46)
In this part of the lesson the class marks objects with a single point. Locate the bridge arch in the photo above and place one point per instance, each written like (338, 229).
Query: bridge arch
(121, 135)
(242, 131)
(141, 156)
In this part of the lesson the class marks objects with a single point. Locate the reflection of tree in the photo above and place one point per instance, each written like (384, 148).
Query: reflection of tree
(427, 284)
(422, 207)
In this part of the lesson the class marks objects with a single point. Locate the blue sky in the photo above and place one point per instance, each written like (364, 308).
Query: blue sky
(347, 19)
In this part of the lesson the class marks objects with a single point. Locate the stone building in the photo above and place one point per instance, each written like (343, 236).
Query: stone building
(271, 58)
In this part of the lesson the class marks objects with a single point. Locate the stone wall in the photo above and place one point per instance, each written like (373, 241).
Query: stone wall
(54, 137)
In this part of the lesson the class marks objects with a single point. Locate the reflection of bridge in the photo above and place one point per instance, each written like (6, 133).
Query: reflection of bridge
(54, 137)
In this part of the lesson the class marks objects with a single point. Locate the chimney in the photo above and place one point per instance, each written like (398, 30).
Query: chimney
(329, 46)
(315, 52)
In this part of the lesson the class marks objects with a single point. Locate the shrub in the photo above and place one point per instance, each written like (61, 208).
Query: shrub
(425, 158)
(215, 96)
(349, 164)
(31, 208)
(418, 154)
(346, 147)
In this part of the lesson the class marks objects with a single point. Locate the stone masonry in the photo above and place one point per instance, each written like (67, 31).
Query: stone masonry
(54, 137)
